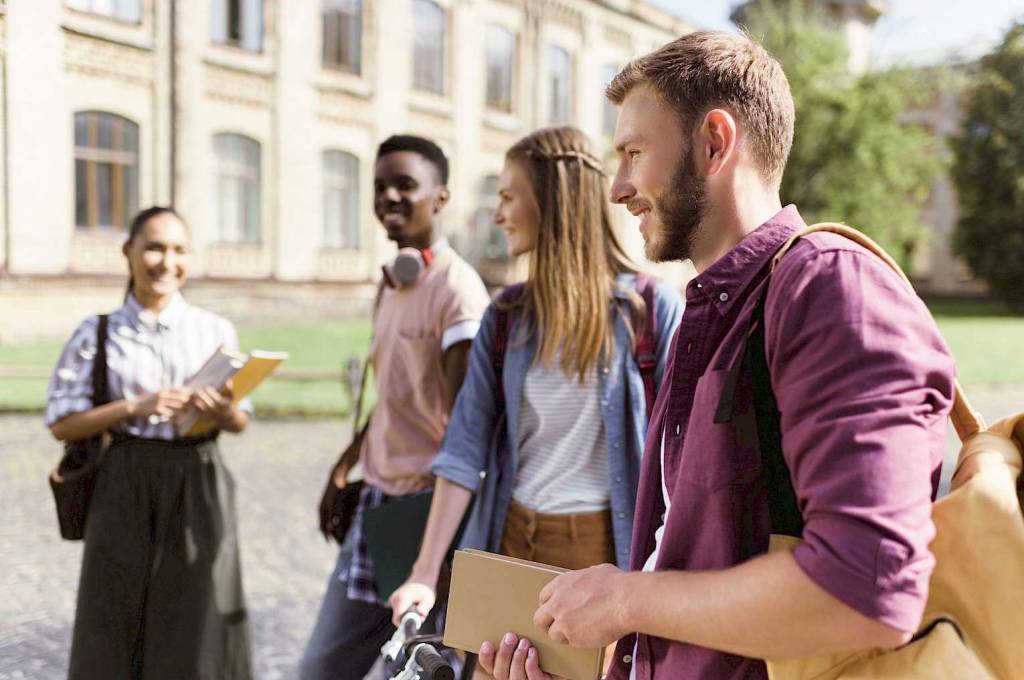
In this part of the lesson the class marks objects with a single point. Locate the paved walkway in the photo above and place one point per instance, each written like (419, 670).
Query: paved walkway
(280, 466)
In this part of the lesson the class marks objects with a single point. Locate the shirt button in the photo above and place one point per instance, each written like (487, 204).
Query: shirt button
(622, 515)
(678, 429)
(618, 480)
(628, 658)
(723, 297)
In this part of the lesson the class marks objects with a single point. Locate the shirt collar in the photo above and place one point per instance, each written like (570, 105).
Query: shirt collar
(439, 246)
(165, 319)
(727, 279)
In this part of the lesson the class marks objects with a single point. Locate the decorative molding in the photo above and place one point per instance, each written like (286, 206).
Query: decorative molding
(228, 84)
(97, 251)
(96, 56)
(237, 261)
(336, 264)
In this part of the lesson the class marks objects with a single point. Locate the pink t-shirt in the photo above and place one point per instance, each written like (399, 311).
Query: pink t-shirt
(412, 329)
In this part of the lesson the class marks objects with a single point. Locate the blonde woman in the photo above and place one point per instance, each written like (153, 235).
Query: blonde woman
(546, 435)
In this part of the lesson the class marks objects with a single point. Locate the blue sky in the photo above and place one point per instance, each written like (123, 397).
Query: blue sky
(910, 28)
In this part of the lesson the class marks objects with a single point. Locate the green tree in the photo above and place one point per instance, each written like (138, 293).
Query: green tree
(856, 156)
(989, 171)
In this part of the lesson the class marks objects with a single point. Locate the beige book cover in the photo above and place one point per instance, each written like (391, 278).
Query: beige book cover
(492, 595)
(255, 369)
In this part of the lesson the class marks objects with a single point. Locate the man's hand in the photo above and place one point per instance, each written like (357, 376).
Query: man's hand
(515, 659)
(584, 608)
(414, 592)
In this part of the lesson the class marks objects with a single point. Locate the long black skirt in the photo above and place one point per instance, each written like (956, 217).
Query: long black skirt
(160, 595)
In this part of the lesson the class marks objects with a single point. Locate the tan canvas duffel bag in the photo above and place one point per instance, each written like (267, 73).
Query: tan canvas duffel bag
(973, 625)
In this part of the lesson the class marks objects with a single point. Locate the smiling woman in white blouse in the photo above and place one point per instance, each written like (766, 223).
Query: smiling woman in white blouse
(160, 594)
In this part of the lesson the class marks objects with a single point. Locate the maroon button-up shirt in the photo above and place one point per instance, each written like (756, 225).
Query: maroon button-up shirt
(864, 384)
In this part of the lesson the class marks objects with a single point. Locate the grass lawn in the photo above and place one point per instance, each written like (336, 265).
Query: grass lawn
(985, 338)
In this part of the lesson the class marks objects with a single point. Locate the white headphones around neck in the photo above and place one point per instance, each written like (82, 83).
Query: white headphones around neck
(407, 266)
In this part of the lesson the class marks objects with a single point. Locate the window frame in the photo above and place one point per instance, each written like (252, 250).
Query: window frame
(124, 171)
(490, 30)
(348, 237)
(222, 10)
(441, 58)
(337, 15)
(88, 7)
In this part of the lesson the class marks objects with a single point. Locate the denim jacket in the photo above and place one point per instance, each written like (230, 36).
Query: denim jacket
(479, 451)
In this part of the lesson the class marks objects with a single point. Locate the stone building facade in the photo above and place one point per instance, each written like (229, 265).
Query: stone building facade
(258, 120)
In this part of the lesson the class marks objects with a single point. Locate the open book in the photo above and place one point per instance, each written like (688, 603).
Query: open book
(246, 371)
(492, 595)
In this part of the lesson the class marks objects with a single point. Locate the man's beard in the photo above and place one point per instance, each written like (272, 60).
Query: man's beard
(680, 210)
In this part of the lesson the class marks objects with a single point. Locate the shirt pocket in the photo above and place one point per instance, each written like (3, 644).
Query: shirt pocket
(416, 368)
(719, 455)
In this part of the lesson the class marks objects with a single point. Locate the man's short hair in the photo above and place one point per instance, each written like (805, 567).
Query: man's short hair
(424, 147)
(713, 69)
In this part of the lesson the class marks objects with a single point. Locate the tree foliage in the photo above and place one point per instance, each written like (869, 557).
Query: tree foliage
(857, 158)
(989, 171)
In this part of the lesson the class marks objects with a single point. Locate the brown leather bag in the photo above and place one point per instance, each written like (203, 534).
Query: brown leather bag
(74, 478)
(975, 611)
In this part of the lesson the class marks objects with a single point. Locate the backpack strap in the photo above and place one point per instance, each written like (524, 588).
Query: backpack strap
(645, 344)
(966, 421)
(504, 317)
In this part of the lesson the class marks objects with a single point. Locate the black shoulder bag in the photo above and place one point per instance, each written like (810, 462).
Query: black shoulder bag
(74, 478)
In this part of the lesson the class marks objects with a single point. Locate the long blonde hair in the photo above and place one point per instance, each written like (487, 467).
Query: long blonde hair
(567, 298)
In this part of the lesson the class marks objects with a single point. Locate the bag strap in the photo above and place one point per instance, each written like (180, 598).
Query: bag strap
(100, 383)
(644, 348)
(966, 421)
(366, 364)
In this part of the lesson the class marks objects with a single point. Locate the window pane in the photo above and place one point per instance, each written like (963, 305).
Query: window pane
(104, 179)
(237, 182)
(428, 46)
(501, 57)
(106, 169)
(252, 24)
(219, 21)
(341, 199)
(560, 85)
(343, 34)
(81, 195)
(129, 10)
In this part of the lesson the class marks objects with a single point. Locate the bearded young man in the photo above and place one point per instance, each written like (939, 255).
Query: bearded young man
(862, 380)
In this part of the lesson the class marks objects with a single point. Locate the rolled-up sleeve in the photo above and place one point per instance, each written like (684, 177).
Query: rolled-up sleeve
(467, 439)
(70, 387)
(864, 383)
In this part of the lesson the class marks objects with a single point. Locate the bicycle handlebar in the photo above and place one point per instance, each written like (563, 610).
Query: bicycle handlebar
(432, 663)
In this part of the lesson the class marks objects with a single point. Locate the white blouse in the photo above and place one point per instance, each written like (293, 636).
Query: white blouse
(146, 352)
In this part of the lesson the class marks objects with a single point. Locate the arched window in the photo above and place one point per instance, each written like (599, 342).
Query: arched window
(236, 188)
(341, 200)
(106, 169)
(343, 35)
(428, 44)
(500, 45)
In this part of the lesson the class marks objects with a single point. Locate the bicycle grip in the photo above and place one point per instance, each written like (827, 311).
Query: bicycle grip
(433, 664)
